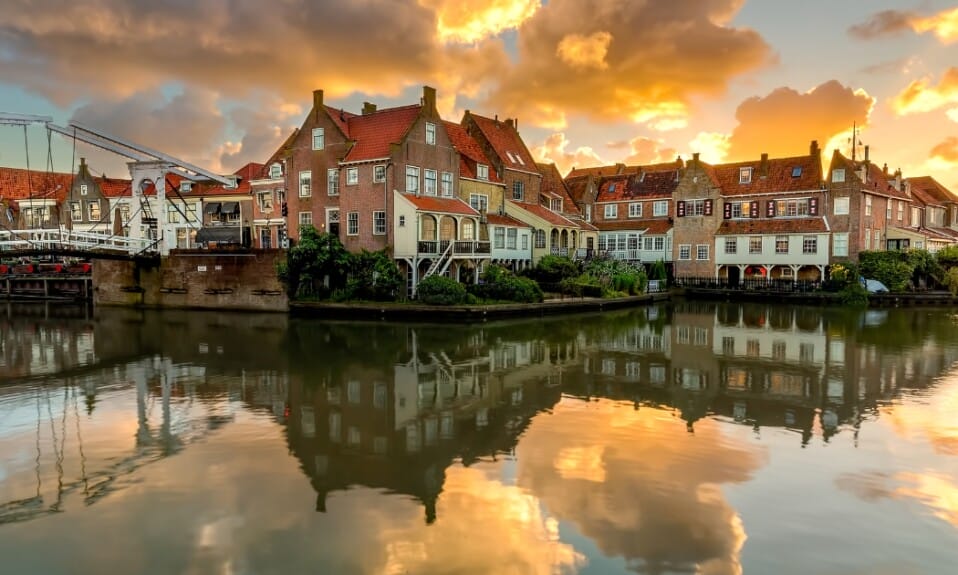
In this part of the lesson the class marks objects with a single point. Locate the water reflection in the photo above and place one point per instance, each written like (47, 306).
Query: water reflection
(609, 442)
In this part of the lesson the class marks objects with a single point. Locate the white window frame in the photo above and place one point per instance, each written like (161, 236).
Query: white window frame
(778, 247)
(810, 245)
(840, 244)
(482, 172)
(511, 235)
(660, 208)
(352, 176)
(745, 175)
(479, 202)
(445, 184)
(275, 171)
(901, 210)
(635, 210)
(868, 205)
(412, 179)
(84, 189)
(76, 211)
(352, 224)
(319, 138)
(755, 245)
(659, 243)
(430, 133)
(842, 206)
(332, 182)
(499, 238)
(838, 175)
(518, 190)
(731, 245)
(685, 252)
(90, 205)
(305, 183)
(305, 219)
(379, 173)
(699, 250)
(611, 211)
(695, 207)
(379, 223)
(430, 183)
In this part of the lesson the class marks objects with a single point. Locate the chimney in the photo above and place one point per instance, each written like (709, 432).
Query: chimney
(899, 184)
(83, 171)
(763, 167)
(619, 169)
(429, 99)
(695, 160)
(814, 150)
(368, 108)
(866, 154)
(884, 170)
(317, 102)
(510, 124)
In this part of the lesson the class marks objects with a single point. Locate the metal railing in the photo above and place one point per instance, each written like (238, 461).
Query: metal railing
(459, 247)
(53, 239)
(557, 251)
(749, 284)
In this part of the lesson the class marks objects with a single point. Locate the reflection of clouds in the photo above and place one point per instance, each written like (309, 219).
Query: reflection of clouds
(933, 419)
(639, 485)
(937, 492)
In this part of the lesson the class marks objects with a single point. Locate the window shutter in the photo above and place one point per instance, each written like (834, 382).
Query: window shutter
(680, 209)
(708, 208)
(727, 211)
(770, 209)
(813, 206)
(753, 209)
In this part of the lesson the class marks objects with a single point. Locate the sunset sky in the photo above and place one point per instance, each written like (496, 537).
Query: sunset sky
(221, 82)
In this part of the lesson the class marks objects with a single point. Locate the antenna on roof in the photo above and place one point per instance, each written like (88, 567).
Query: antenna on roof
(855, 141)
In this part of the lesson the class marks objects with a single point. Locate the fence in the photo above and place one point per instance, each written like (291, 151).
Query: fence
(763, 285)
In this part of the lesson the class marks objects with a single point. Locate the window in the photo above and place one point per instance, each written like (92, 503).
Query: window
(877, 239)
(332, 182)
(511, 235)
(841, 206)
(402, 221)
(275, 171)
(430, 133)
(915, 217)
(466, 229)
(745, 175)
(412, 179)
(352, 224)
(186, 187)
(447, 184)
(305, 184)
(352, 176)
(810, 245)
(695, 207)
(611, 211)
(430, 180)
(868, 238)
(499, 238)
(702, 252)
(740, 210)
(838, 175)
(731, 245)
(525, 241)
(778, 348)
(753, 347)
(76, 212)
(172, 213)
(781, 244)
(379, 223)
(685, 252)
(93, 209)
(888, 209)
(319, 139)
(901, 210)
(868, 205)
(540, 239)
(648, 244)
(787, 272)
(125, 213)
(791, 208)
(755, 245)
(635, 210)
(518, 190)
(379, 173)
(479, 202)
(84, 189)
(660, 208)
(556, 205)
(806, 352)
(797, 172)
(659, 244)
(482, 171)
(840, 245)
(305, 219)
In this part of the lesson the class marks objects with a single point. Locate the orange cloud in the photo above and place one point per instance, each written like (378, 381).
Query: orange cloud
(473, 20)
(944, 25)
(607, 60)
(643, 150)
(921, 96)
(946, 150)
(785, 121)
(712, 147)
(553, 150)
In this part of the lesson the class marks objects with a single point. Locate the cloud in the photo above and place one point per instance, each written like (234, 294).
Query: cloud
(643, 150)
(921, 96)
(712, 147)
(946, 150)
(264, 129)
(639, 60)
(580, 51)
(553, 150)
(944, 25)
(473, 20)
(899, 66)
(785, 121)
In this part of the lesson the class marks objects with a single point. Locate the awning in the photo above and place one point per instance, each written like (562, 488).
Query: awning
(230, 208)
(223, 235)
(212, 208)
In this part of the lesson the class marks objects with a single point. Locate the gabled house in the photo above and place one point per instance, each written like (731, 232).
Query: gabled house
(937, 208)
(270, 208)
(30, 199)
(757, 219)
(556, 196)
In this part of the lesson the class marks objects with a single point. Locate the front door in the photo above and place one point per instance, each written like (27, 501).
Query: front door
(265, 239)
(733, 276)
(332, 221)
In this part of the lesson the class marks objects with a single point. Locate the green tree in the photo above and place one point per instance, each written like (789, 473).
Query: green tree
(373, 276)
(316, 266)
(440, 290)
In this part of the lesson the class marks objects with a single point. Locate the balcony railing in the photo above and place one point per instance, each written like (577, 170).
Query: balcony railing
(556, 251)
(460, 248)
(628, 255)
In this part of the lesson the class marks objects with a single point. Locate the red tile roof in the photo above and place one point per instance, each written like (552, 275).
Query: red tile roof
(930, 187)
(772, 226)
(584, 225)
(205, 188)
(440, 205)
(546, 214)
(876, 179)
(114, 187)
(553, 185)
(924, 198)
(20, 184)
(506, 142)
(341, 118)
(800, 173)
(578, 186)
(623, 170)
(470, 153)
(505, 220)
(654, 227)
(373, 133)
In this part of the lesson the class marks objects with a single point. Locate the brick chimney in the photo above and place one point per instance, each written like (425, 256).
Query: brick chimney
(695, 160)
(368, 108)
(814, 150)
(317, 102)
(429, 99)
(510, 123)
(619, 169)
(866, 154)
(83, 171)
(763, 166)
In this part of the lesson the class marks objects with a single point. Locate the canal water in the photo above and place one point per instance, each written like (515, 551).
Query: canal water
(687, 438)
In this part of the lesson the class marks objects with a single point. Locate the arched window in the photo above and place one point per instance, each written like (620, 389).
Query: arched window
(468, 230)
(447, 229)
(428, 228)
(540, 239)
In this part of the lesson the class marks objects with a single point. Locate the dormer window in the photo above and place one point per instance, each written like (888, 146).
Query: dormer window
(275, 171)
(84, 189)
(319, 138)
(611, 188)
(186, 186)
(838, 175)
(511, 157)
(430, 133)
(797, 172)
(745, 175)
(519, 160)
(482, 171)
(234, 181)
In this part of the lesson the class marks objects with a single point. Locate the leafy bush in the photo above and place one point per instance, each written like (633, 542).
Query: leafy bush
(890, 268)
(840, 275)
(947, 257)
(554, 269)
(854, 295)
(440, 290)
(951, 280)
(499, 284)
(658, 271)
(617, 276)
(373, 276)
(316, 266)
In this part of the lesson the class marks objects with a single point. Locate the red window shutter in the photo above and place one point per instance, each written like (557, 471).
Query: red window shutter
(727, 210)
(680, 209)
(753, 209)
(770, 209)
(708, 208)
(813, 206)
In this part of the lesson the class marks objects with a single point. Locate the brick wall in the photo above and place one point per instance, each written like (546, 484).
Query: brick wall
(188, 279)
(689, 230)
